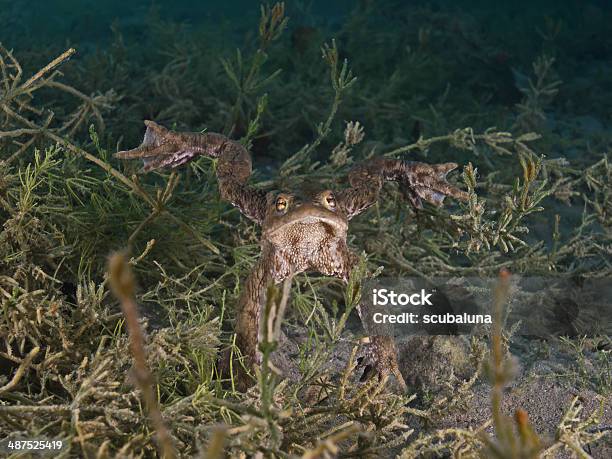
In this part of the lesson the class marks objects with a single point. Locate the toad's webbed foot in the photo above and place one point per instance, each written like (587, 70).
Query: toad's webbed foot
(162, 148)
(417, 181)
(428, 181)
(380, 360)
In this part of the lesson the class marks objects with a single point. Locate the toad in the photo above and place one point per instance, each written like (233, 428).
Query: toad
(299, 233)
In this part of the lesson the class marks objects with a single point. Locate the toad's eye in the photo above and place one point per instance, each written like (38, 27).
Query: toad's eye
(281, 204)
(330, 201)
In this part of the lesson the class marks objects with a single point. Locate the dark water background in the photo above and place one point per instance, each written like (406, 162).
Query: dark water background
(497, 42)
(87, 23)
(515, 27)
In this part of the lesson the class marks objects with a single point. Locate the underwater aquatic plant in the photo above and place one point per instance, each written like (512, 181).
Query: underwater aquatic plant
(65, 205)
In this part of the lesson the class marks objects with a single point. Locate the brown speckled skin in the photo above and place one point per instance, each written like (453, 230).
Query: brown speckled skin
(308, 233)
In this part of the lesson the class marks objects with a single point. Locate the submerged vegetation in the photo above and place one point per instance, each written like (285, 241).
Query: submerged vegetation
(67, 205)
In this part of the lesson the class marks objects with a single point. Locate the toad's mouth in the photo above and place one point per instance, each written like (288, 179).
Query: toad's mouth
(308, 215)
